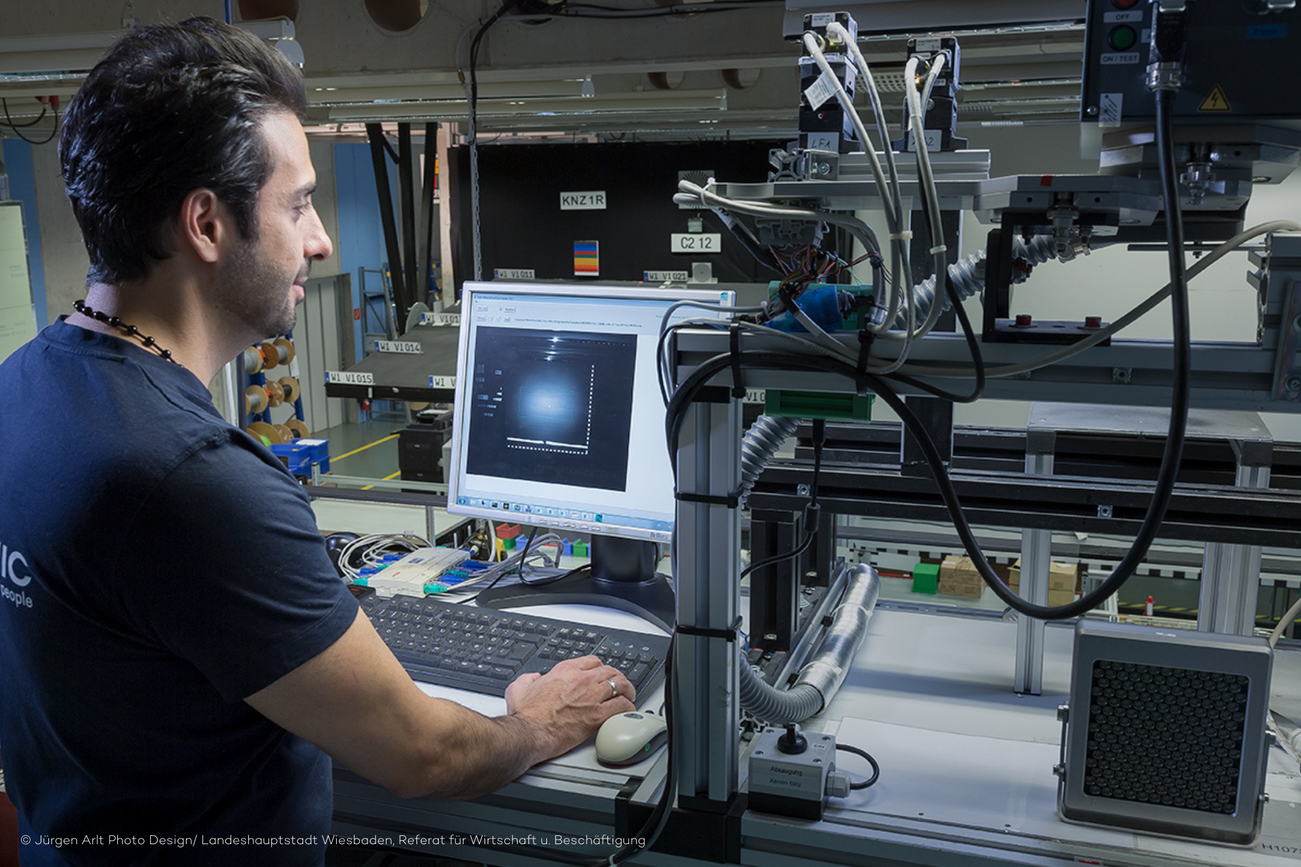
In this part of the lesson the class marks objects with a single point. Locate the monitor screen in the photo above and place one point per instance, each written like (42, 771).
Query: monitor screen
(559, 420)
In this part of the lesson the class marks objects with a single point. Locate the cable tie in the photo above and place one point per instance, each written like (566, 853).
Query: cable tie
(902, 236)
(935, 251)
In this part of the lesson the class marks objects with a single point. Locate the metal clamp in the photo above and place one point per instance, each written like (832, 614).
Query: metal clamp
(1167, 75)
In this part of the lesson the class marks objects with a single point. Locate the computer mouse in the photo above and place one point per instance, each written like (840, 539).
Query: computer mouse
(628, 738)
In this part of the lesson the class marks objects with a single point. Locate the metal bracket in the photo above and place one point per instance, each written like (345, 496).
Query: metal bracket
(1287, 360)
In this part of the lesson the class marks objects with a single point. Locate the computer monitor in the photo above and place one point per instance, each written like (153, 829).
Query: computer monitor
(559, 423)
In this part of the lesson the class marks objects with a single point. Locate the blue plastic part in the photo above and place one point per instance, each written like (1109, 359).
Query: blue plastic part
(568, 547)
(299, 455)
(821, 303)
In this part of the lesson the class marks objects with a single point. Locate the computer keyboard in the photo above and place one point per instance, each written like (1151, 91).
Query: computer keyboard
(483, 650)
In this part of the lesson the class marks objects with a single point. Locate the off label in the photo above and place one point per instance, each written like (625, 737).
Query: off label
(402, 347)
(349, 377)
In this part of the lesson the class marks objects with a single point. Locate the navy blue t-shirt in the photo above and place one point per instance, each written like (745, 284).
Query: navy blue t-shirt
(157, 566)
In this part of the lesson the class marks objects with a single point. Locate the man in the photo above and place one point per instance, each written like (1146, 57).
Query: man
(175, 649)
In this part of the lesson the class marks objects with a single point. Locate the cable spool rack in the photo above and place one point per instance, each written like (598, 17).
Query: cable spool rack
(291, 439)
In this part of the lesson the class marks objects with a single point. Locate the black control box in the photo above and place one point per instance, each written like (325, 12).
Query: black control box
(1237, 58)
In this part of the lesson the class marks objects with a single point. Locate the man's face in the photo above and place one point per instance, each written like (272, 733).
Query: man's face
(263, 278)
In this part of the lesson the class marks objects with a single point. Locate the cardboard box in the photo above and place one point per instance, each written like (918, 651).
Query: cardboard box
(958, 577)
(1061, 576)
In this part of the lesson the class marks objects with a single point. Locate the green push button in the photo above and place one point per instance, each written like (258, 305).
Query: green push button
(1122, 38)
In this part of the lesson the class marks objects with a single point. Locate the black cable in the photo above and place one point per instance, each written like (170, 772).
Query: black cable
(654, 825)
(502, 574)
(474, 61)
(876, 769)
(811, 511)
(586, 568)
(524, 555)
(579, 10)
(15, 127)
(809, 532)
(973, 345)
(676, 413)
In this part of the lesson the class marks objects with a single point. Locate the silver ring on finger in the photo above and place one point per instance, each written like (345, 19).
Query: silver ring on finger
(614, 690)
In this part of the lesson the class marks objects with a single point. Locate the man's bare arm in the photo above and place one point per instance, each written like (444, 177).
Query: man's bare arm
(357, 703)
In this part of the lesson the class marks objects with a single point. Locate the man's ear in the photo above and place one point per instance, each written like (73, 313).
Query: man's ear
(203, 223)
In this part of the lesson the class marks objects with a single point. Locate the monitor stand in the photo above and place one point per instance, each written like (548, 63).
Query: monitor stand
(622, 576)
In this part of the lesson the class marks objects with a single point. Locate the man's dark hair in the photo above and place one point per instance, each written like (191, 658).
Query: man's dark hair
(168, 109)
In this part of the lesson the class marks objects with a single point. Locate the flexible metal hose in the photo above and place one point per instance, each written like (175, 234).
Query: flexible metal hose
(758, 446)
(819, 680)
(968, 276)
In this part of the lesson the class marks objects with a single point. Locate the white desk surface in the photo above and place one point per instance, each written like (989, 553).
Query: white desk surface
(966, 764)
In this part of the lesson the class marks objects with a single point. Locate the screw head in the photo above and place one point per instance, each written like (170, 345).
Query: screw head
(1091, 110)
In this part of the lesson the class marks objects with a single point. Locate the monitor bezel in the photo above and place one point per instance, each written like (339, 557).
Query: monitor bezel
(581, 291)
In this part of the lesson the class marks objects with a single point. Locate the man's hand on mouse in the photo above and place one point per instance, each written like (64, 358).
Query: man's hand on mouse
(569, 703)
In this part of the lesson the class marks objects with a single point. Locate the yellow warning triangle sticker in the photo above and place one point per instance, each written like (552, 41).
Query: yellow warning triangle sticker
(1215, 101)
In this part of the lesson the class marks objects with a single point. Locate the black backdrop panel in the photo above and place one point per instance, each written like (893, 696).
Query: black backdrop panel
(523, 227)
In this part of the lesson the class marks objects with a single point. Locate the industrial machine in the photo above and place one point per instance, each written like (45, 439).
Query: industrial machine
(1179, 159)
